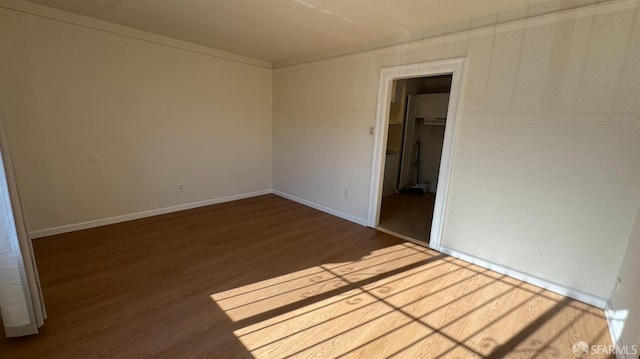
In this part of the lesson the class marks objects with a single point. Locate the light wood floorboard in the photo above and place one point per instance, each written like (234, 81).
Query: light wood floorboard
(269, 278)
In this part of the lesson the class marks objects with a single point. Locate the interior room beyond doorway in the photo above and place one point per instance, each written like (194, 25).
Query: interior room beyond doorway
(417, 122)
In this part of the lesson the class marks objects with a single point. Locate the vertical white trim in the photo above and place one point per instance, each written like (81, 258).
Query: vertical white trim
(615, 329)
(387, 76)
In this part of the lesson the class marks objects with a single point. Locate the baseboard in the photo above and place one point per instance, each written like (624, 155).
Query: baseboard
(609, 315)
(348, 217)
(528, 278)
(132, 216)
(614, 332)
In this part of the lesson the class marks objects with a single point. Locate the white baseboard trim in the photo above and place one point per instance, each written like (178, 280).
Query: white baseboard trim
(609, 314)
(528, 278)
(132, 216)
(616, 320)
(348, 217)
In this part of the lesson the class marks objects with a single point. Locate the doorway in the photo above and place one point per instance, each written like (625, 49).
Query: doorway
(415, 135)
(413, 149)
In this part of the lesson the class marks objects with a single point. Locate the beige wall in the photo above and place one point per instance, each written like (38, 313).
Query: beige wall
(149, 115)
(546, 173)
(322, 113)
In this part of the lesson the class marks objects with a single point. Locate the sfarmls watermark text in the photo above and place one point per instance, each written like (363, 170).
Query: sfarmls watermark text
(581, 349)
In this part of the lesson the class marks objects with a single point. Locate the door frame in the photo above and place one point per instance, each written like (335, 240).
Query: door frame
(454, 67)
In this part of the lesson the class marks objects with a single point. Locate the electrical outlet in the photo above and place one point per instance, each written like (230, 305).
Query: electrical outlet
(180, 187)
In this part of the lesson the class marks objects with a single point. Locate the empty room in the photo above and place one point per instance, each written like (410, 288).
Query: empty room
(320, 179)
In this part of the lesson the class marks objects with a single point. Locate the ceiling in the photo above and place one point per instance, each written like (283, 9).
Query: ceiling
(290, 31)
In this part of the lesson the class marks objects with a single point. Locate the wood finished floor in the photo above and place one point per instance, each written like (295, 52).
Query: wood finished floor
(408, 214)
(268, 278)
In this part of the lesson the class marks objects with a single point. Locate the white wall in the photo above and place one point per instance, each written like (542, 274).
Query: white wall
(625, 302)
(150, 114)
(547, 158)
(322, 113)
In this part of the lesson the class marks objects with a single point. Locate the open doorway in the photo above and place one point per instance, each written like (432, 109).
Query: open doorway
(415, 135)
(390, 112)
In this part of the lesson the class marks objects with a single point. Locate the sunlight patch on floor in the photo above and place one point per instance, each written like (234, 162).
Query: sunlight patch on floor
(401, 301)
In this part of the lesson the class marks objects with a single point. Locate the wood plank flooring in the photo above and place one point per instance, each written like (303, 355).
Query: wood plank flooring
(408, 214)
(269, 278)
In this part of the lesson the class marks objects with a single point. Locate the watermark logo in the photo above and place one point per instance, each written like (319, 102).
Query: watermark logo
(580, 349)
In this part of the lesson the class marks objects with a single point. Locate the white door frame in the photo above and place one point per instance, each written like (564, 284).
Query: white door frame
(455, 67)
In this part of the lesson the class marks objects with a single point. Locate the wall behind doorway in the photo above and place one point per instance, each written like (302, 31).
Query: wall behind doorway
(431, 136)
